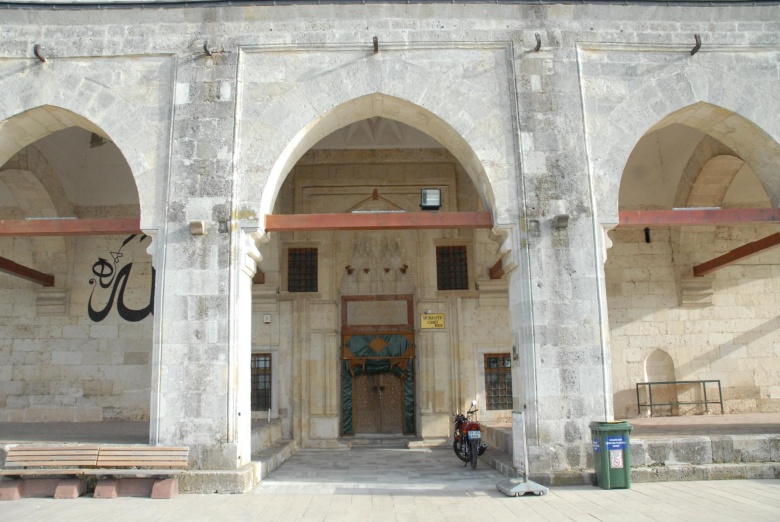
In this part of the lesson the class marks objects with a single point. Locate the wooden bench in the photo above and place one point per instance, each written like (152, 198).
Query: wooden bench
(147, 469)
(150, 467)
(46, 461)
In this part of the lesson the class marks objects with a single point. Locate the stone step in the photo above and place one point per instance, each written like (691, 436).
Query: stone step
(265, 434)
(498, 437)
(381, 441)
(657, 473)
(270, 458)
(722, 471)
(705, 450)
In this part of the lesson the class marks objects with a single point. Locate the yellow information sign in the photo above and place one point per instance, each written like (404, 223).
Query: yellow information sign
(432, 321)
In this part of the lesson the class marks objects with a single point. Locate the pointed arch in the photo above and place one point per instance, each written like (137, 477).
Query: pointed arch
(719, 143)
(377, 105)
(68, 100)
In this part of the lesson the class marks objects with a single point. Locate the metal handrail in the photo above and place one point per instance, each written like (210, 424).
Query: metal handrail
(652, 404)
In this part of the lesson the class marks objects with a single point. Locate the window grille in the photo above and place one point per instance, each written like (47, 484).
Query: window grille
(261, 381)
(498, 381)
(302, 270)
(452, 268)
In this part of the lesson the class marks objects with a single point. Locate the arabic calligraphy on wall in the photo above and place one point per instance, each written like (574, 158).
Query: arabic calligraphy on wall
(114, 275)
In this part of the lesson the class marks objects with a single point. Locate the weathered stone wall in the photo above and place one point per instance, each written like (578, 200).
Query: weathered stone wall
(733, 339)
(213, 138)
(60, 364)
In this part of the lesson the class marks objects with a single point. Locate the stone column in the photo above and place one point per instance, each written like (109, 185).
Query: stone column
(195, 356)
(243, 270)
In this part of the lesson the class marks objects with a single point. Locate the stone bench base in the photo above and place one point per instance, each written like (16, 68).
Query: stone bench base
(137, 487)
(41, 487)
(13, 489)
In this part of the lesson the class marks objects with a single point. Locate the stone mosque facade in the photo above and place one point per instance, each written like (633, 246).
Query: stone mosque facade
(212, 213)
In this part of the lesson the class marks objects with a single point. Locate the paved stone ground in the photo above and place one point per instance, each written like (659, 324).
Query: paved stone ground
(418, 485)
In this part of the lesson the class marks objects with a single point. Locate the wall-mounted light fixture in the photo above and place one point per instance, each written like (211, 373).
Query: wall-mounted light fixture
(197, 228)
(561, 219)
(430, 199)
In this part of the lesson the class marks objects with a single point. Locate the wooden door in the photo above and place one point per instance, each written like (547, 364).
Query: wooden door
(391, 404)
(377, 404)
(365, 407)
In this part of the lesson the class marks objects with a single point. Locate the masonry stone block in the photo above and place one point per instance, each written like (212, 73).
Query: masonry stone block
(10, 489)
(71, 488)
(39, 487)
(753, 449)
(693, 450)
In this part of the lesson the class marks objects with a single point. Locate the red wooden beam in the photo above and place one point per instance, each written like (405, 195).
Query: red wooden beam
(697, 217)
(737, 254)
(377, 221)
(69, 227)
(9, 267)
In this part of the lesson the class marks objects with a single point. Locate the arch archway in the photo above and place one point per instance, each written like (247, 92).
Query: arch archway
(379, 269)
(67, 363)
(372, 106)
(46, 109)
(700, 156)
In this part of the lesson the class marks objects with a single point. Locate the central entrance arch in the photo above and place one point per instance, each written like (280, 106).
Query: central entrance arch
(373, 106)
(346, 371)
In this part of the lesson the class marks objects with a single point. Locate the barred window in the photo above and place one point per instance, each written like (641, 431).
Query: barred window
(452, 268)
(261, 381)
(302, 270)
(498, 381)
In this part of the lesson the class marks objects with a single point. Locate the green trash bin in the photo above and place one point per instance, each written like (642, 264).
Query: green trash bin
(611, 454)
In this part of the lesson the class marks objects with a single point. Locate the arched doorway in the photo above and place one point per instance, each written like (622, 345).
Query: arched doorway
(355, 358)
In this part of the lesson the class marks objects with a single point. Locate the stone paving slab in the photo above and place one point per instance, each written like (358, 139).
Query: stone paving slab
(418, 485)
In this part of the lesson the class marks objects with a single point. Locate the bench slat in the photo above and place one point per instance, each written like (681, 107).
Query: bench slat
(22, 456)
(156, 464)
(146, 453)
(143, 456)
(28, 472)
(140, 462)
(39, 463)
(53, 451)
(131, 472)
(65, 457)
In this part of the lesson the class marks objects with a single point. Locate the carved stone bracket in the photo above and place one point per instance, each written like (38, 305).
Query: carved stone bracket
(151, 248)
(52, 301)
(696, 292)
(606, 243)
(507, 249)
(249, 253)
